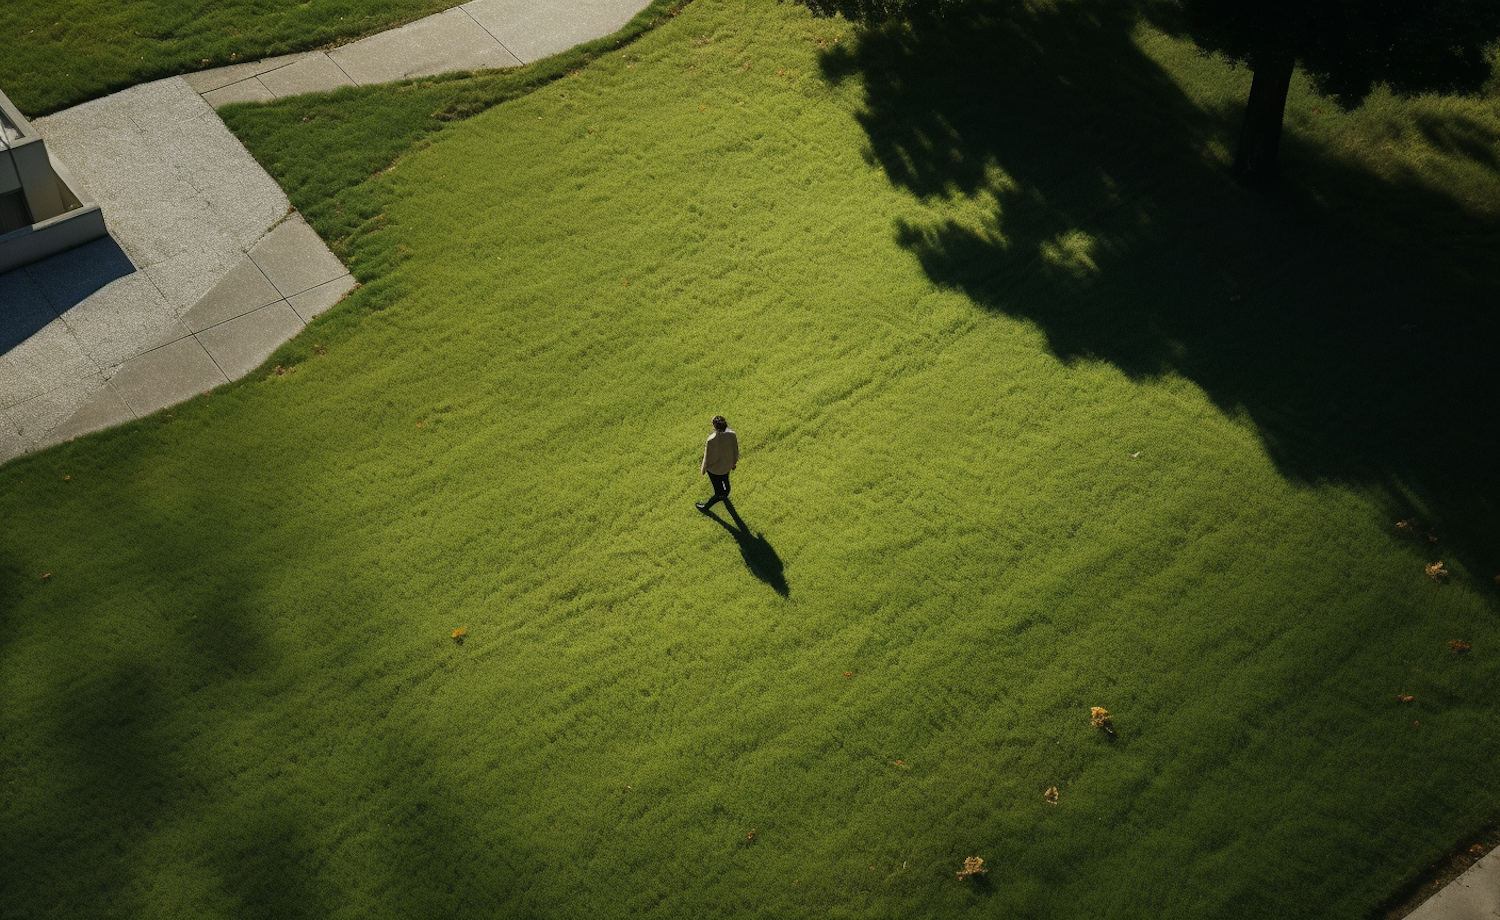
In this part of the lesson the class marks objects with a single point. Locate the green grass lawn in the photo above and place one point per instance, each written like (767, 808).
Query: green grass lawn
(1038, 412)
(59, 53)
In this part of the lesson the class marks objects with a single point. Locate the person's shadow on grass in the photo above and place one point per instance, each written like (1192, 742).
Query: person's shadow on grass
(759, 555)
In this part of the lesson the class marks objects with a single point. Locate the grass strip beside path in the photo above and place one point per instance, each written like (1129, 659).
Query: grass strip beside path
(59, 53)
(323, 147)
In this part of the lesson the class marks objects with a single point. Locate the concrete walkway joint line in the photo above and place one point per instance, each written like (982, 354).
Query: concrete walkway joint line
(208, 269)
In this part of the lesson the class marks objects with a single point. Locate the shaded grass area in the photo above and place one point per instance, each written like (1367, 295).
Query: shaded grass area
(1350, 314)
(59, 53)
(236, 694)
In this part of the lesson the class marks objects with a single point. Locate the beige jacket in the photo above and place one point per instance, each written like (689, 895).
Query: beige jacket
(721, 453)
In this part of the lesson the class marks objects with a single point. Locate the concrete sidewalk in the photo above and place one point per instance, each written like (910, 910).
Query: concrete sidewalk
(208, 269)
(475, 36)
(1475, 895)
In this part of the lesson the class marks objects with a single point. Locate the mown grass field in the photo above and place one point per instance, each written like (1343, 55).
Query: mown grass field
(59, 53)
(1038, 412)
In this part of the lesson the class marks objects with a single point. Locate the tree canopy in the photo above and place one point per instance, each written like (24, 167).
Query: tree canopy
(1346, 47)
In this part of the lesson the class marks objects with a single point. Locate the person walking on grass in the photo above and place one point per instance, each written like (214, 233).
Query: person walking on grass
(720, 455)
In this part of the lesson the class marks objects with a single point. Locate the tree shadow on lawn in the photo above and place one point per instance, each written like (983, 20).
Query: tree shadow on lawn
(759, 555)
(132, 795)
(1363, 349)
(127, 801)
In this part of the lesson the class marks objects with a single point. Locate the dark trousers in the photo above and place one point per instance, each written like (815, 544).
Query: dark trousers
(721, 490)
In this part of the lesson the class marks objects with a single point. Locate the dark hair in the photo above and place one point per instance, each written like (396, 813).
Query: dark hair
(719, 423)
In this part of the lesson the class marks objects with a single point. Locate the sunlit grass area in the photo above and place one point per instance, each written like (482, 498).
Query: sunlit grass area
(1038, 412)
(62, 52)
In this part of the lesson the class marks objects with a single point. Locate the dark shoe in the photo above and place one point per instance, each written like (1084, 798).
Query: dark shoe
(701, 507)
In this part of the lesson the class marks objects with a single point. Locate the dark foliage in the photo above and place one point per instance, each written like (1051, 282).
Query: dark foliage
(881, 10)
(1348, 48)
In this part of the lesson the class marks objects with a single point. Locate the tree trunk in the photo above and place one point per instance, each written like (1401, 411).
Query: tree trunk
(1260, 135)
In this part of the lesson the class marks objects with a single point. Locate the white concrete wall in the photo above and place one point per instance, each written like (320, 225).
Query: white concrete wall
(61, 218)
